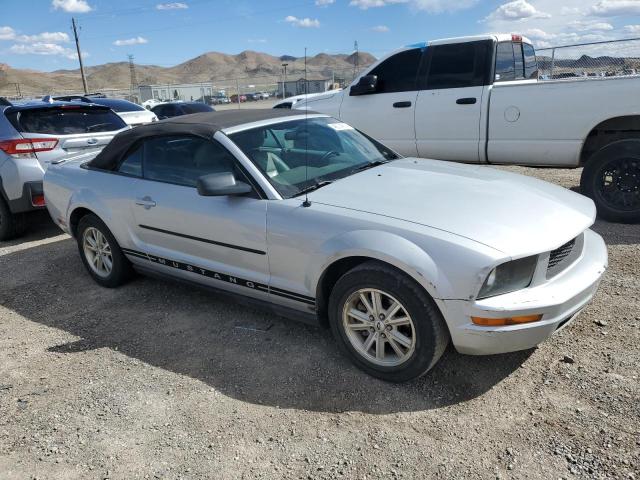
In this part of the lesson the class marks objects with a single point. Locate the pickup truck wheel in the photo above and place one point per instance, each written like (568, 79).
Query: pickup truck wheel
(387, 324)
(101, 254)
(11, 225)
(611, 178)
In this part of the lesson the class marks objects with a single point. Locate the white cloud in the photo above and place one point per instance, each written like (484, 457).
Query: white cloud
(612, 8)
(131, 41)
(632, 29)
(567, 22)
(172, 6)
(7, 33)
(431, 6)
(516, 10)
(380, 29)
(439, 6)
(44, 37)
(72, 6)
(302, 22)
(590, 26)
(366, 4)
(324, 3)
(41, 48)
(257, 40)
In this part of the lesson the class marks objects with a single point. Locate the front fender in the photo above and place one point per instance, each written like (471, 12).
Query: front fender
(386, 247)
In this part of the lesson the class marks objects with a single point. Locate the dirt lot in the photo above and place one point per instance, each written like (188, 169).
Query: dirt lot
(156, 380)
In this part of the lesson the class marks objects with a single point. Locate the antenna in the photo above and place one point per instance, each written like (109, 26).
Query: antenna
(306, 202)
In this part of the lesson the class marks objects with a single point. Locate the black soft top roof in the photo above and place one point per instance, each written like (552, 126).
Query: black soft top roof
(204, 125)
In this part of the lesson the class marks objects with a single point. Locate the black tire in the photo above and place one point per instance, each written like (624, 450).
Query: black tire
(121, 270)
(11, 225)
(430, 330)
(611, 178)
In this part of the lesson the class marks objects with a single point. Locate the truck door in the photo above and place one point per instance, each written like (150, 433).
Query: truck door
(451, 100)
(388, 113)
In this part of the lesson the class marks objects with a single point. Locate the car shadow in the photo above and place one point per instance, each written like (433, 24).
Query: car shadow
(39, 227)
(242, 352)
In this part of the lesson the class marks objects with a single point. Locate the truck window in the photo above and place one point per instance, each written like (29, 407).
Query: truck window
(457, 65)
(505, 62)
(398, 73)
(519, 60)
(530, 62)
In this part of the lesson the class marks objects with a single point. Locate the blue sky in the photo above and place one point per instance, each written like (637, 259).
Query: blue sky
(36, 33)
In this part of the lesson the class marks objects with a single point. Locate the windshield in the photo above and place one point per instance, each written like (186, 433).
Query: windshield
(302, 153)
(196, 108)
(118, 105)
(66, 120)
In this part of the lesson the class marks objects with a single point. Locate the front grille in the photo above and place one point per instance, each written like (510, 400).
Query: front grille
(559, 254)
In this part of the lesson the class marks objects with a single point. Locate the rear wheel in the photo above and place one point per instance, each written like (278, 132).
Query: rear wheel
(11, 225)
(386, 323)
(101, 254)
(611, 178)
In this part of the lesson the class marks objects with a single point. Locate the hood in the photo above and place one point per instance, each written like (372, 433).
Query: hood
(137, 117)
(314, 97)
(512, 213)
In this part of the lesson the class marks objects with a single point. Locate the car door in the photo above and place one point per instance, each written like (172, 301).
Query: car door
(219, 241)
(388, 113)
(450, 104)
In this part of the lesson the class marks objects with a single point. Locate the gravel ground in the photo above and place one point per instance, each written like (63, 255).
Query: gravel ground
(158, 380)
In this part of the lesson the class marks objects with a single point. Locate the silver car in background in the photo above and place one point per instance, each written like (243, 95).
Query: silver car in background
(32, 135)
(307, 215)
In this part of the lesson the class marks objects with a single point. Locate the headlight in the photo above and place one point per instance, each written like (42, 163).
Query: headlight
(509, 277)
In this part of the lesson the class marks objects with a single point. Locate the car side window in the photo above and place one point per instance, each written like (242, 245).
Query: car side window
(132, 163)
(183, 159)
(530, 62)
(399, 72)
(457, 65)
(505, 62)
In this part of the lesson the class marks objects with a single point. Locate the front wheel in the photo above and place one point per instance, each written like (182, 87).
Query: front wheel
(611, 178)
(386, 323)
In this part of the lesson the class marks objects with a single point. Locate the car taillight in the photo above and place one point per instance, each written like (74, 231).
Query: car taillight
(28, 146)
(37, 200)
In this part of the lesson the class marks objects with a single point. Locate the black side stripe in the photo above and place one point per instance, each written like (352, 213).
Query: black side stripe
(204, 240)
(224, 277)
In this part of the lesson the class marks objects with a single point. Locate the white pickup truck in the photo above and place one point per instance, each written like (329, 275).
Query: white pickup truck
(478, 100)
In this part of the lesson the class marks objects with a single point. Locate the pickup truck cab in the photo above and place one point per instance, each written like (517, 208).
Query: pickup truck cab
(478, 100)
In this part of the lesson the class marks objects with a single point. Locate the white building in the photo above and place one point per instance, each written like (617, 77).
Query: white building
(297, 87)
(185, 91)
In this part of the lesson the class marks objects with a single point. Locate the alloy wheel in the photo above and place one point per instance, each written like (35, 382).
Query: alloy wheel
(620, 183)
(97, 251)
(379, 327)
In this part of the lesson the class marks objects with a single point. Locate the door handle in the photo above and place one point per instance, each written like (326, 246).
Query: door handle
(467, 101)
(145, 202)
(402, 105)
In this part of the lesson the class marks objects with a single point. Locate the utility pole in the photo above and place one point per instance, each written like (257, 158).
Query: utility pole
(355, 63)
(238, 90)
(132, 73)
(284, 83)
(75, 34)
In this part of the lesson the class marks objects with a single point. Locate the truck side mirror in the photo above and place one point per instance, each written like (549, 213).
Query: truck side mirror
(366, 85)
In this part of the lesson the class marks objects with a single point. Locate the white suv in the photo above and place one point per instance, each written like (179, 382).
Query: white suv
(32, 135)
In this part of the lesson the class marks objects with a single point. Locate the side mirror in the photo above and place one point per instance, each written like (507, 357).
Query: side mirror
(367, 84)
(221, 184)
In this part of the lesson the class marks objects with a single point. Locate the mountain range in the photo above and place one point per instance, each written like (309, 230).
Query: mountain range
(249, 67)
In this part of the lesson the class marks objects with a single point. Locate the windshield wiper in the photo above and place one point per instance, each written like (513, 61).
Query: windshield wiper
(313, 187)
(367, 166)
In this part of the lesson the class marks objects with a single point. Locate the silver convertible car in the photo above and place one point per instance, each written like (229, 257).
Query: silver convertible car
(307, 215)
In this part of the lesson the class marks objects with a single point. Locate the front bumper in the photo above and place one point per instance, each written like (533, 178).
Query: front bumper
(559, 300)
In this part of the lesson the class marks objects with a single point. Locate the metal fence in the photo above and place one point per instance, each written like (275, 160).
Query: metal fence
(232, 86)
(590, 60)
